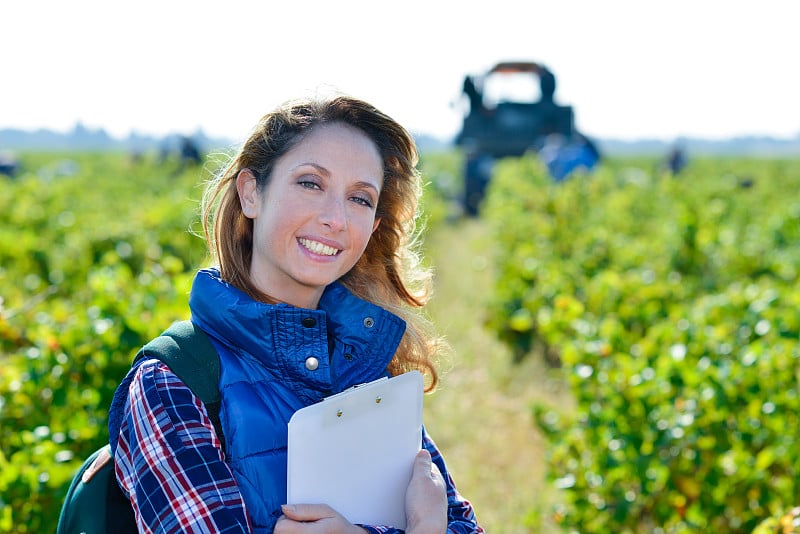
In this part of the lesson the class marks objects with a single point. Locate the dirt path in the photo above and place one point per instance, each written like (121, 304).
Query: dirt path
(481, 417)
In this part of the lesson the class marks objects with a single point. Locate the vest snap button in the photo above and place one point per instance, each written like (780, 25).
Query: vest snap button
(309, 322)
(369, 322)
(312, 363)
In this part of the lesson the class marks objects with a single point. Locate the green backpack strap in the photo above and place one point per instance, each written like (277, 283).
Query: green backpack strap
(94, 503)
(188, 352)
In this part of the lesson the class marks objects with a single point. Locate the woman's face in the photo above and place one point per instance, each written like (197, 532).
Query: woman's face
(312, 221)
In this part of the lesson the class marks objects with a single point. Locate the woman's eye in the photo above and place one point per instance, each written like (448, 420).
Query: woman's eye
(363, 201)
(309, 184)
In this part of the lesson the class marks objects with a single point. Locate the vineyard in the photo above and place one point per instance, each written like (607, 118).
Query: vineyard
(626, 344)
(672, 306)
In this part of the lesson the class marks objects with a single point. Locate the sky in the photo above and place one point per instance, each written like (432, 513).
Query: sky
(630, 69)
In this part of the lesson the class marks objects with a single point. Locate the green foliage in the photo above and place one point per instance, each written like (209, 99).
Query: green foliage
(97, 254)
(442, 185)
(96, 258)
(673, 306)
(781, 523)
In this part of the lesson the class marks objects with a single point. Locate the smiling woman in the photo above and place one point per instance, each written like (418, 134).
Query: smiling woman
(317, 289)
(313, 216)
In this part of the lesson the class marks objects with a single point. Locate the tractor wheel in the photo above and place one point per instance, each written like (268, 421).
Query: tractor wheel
(477, 173)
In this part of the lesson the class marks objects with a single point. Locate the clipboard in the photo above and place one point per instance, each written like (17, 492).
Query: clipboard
(355, 450)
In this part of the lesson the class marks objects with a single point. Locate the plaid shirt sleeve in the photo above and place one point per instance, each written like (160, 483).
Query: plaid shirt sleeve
(460, 514)
(169, 460)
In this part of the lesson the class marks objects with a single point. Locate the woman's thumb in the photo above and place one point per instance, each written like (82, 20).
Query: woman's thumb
(422, 463)
(305, 512)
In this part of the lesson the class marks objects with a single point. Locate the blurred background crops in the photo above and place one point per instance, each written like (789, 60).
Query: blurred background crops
(626, 342)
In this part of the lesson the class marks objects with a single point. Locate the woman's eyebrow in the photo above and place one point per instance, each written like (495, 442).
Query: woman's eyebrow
(317, 166)
(369, 185)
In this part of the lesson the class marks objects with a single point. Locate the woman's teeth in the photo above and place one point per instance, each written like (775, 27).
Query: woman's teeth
(318, 248)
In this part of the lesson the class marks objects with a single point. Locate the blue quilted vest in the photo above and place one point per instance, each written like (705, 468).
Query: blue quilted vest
(276, 359)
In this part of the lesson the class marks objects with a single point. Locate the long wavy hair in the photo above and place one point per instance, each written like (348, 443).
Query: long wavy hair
(389, 273)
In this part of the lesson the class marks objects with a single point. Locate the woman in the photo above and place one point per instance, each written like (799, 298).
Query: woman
(312, 226)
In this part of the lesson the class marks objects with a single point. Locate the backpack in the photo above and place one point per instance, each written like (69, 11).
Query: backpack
(95, 503)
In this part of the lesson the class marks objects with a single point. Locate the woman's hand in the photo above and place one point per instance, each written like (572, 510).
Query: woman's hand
(312, 519)
(426, 507)
(426, 498)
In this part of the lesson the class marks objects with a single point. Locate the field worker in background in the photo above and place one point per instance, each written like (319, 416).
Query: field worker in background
(311, 226)
(564, 157)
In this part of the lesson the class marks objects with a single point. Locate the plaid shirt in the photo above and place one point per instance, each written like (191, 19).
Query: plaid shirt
(170, 463)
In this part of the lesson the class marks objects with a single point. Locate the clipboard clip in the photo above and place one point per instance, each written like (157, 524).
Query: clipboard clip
(351, 388)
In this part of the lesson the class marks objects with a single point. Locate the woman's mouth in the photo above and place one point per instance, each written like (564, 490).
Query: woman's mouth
(318, 248)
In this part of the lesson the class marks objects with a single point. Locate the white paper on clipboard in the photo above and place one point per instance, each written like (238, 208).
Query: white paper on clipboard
(355, 450)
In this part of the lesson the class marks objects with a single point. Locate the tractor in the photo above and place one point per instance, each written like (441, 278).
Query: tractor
(506, 127)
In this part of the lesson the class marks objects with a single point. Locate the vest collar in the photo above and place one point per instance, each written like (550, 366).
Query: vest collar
(281, 336)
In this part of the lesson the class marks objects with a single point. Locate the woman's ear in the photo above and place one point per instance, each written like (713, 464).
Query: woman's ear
(376, 224)
(247, 187)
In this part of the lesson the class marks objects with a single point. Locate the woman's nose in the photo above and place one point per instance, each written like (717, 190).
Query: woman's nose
(334, 214)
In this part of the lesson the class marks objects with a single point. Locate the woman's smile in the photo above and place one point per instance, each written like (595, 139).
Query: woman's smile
(318, 248)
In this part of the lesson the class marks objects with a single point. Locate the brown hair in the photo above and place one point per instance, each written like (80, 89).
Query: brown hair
(389, 272)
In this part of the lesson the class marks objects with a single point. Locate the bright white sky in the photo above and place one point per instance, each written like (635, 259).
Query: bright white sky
(631, 69)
